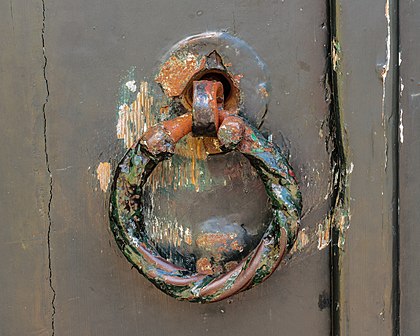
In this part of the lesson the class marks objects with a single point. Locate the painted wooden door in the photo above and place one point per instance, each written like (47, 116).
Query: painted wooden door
(335, 89)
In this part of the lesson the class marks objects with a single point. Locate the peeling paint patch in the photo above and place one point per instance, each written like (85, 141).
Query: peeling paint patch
(336, 52)
(135, 118)
(388, 39)
(131, 85)
(342, 223)
(301, 241)
(104, 175)
(401, 125)
(324, 234)
(384, 73)
(340, 217)
(350, 168)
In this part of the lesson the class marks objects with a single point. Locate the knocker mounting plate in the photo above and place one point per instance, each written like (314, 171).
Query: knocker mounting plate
(207, 97)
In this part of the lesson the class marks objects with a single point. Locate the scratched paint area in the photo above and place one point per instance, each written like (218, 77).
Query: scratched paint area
(136, 117)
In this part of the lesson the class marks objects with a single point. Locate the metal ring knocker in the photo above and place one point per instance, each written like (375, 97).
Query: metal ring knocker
(234, 133)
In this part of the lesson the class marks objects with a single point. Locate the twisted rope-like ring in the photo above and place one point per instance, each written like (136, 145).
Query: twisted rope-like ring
(127, 221)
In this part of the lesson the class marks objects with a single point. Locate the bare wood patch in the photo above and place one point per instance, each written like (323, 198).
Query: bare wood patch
(104, 175)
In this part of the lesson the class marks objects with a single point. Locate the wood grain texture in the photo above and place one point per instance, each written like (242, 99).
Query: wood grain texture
(409, 136)
(366, 69)
(25, 305)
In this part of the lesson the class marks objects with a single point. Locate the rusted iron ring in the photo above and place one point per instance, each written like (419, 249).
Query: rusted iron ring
(127, 221)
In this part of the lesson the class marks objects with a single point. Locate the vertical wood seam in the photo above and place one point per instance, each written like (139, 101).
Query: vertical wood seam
(395, 49)
(392, 152)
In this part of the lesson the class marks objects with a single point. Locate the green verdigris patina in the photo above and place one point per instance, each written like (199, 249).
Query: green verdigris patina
(127, 220)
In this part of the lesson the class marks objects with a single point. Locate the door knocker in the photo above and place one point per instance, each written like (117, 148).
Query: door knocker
(208, 98)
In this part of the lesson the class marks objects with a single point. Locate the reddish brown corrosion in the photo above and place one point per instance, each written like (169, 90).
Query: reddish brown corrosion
(176, 73)
(207, 102)
(210, 240)
(246, 275)
(182, 69)
(178, 127)
(230, 265)
(235, 246)
(167, 266)
(163, 137)
(204, 266)
(219, 243)
(212, 145)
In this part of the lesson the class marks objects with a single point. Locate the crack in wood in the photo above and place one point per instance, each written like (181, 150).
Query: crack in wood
(47, 164)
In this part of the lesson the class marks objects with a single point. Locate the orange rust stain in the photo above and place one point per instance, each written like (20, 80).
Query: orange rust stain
(203, 266)
(187, 172)
(194, 148)
(219, 241)
(104, 175)
(264, 91)
(164, 110)
(177, 71)
(236, 246)
(178, 127)
(211, 145)
(136, 118)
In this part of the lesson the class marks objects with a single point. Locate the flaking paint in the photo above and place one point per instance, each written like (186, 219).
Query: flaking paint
(103, 173)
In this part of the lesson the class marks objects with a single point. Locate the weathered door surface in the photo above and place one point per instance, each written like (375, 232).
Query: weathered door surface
(343, 103)
(409, 156)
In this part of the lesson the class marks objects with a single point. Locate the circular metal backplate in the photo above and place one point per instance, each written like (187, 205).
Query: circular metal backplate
(218, 51)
